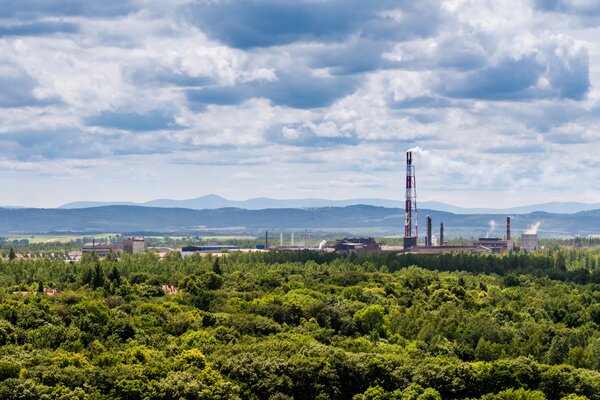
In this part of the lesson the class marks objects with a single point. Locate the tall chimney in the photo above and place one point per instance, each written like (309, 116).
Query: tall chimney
(442, 234)
(292, 239)
(428, 238)
(411, 232)
(266, 240)
(507, 228)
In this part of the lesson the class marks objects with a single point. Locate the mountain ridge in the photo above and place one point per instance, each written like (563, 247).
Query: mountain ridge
(364, 219)
(213, 201)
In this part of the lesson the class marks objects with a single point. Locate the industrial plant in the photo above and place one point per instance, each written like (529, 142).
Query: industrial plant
(410, 241)
(432, 246)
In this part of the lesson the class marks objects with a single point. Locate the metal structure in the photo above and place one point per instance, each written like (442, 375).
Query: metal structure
(529, 241)
(428, 241)
(411, 232)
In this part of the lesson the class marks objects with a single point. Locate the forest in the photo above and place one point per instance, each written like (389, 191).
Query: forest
(302, 325)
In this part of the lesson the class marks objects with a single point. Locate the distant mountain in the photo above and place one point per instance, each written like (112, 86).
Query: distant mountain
(553, 207)
(90, 204)
(358, 218)
(213, 201)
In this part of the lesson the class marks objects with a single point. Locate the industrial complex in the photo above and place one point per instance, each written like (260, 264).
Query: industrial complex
(411, 243)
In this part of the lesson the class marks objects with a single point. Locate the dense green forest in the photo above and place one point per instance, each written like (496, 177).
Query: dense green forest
(303, 325)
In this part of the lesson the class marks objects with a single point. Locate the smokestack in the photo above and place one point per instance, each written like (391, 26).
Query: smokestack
(507, 228)
(428, 238)
(266, 239)
(411, 232)
(292, 238)
(442, 234)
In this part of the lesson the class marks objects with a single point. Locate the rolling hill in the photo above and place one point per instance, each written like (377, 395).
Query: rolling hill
(213, 201)
(361, 218)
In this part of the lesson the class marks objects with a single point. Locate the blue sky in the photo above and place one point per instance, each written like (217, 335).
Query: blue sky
(140, 99)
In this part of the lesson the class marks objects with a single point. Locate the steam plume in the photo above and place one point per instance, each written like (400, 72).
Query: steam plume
(492, 224)
(533, 228)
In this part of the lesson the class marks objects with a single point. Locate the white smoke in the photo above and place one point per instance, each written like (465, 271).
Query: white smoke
(418, 151)
(493, 225)
(322, 244)
(533, 228)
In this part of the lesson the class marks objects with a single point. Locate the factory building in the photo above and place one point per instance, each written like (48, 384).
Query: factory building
(101, 249)
(436, 250)
(529, 241)
(189, 250)
(134, 245)
(357, 246)
(494, 245)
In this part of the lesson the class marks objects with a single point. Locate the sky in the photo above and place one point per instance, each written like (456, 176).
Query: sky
(133, 100)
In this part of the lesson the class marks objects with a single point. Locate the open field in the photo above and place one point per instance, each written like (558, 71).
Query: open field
(57, 238)
(35, 239)
(229, 237)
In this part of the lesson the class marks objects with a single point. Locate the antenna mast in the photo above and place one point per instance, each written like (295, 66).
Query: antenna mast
(411, 231)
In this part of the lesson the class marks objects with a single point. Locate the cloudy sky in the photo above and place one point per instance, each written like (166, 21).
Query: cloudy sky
(143, 99)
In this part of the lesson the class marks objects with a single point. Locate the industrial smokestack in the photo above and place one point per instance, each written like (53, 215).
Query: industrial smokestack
(428, 238)
(266, 239)
(411, 232)
(442, 234)
(507, 228)
(292, 238)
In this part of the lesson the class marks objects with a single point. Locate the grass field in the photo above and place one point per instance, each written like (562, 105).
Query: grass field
(68, 238)
(57, 238)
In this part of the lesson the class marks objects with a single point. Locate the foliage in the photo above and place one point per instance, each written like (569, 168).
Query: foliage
(303, 325)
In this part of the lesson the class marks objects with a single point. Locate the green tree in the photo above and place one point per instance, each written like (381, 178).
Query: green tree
(371, 319)
(97, 276)
(216, 267)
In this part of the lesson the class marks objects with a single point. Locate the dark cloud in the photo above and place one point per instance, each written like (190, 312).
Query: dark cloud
(569, 6)
(569, 74)
(263, 23)
(566, 76)
(357, 56)
(151, 121)
(297, 90)
(578, 13)
(27, 9)
(75, 143)
(32, 145)
(510, 79)
(147, 76)
(568, 138)
(16, 89)
(38, 29)
(422, 102)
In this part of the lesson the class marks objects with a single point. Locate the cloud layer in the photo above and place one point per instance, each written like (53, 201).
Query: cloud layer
(134, 100)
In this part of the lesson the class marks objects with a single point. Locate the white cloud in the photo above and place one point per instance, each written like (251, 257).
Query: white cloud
(496, 93)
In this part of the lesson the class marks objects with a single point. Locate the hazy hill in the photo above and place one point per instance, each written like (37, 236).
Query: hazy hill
(213, 201)
(364, 218)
